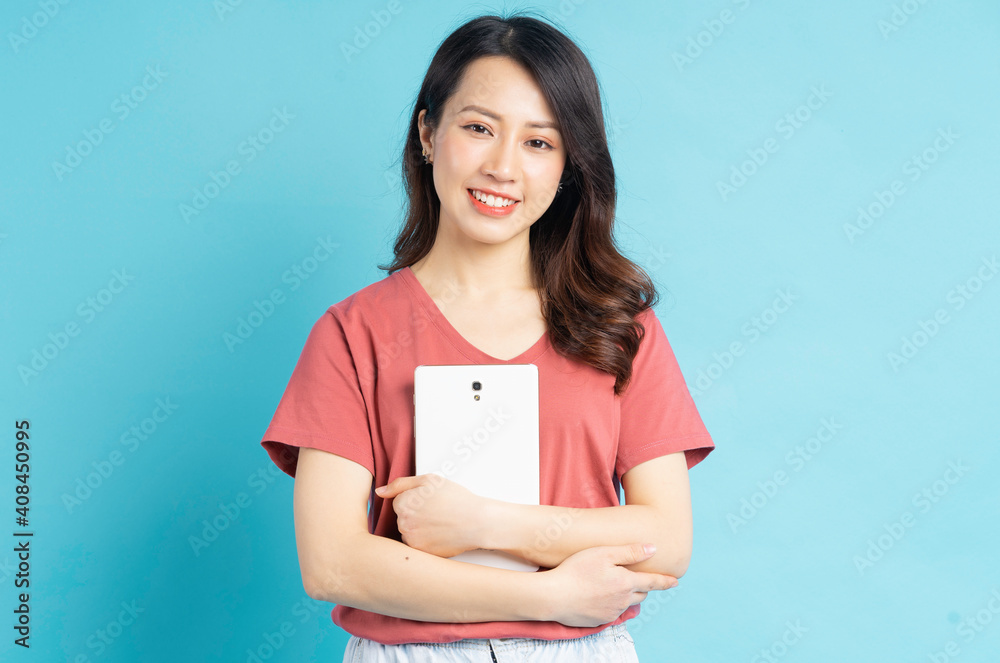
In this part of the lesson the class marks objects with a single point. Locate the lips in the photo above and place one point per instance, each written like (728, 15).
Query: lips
(490, 210)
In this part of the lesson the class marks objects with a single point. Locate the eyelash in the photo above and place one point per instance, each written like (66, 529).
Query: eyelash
(476, 124)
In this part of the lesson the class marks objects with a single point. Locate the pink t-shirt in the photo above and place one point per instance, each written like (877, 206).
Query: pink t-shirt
(351, 394)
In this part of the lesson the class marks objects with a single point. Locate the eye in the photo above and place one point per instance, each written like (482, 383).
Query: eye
(476, 124)
(539, 140)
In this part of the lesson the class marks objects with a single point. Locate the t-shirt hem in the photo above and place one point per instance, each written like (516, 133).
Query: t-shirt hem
(444, 633)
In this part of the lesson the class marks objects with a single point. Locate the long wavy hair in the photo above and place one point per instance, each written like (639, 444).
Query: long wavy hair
(590, 293)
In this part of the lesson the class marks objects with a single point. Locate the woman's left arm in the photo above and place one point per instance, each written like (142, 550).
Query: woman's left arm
(438, 516)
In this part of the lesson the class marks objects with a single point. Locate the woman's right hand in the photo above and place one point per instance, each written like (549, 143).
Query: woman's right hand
(592, 587)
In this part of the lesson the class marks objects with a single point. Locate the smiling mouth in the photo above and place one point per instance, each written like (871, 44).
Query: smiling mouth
(490, 200)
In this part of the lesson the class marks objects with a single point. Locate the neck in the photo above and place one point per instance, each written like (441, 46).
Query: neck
(476, 273)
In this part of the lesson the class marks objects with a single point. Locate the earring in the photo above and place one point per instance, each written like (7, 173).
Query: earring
(426, 160)
(559, 188)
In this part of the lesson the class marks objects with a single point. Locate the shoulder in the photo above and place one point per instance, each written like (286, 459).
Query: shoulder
(650, 324)
(647, 316)
(382, 296)
(654, 348)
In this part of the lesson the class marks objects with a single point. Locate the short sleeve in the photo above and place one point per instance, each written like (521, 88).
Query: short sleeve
(322, 407)
(658, 415)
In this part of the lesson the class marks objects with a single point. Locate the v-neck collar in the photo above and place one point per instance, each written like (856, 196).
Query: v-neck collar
(461, 344)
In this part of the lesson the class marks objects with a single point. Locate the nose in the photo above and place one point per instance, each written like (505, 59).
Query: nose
(501, 160)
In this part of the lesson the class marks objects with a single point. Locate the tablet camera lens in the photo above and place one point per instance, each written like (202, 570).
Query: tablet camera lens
(476, 386)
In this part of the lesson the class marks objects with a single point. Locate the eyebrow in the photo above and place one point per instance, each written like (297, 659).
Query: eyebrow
(491, 114)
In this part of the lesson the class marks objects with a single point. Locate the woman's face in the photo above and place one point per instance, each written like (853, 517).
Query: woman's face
(497, 135)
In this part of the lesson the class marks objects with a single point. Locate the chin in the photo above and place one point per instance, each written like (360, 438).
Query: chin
(496, 235)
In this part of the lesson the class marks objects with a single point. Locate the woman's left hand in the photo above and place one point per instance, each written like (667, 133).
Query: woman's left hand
(435, 514)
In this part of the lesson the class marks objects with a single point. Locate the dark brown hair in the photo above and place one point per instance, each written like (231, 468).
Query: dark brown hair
(590, 292)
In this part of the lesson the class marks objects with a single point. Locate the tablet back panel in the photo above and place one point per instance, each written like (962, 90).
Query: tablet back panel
(484, 439)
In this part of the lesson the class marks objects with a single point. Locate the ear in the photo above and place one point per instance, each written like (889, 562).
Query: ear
(426, 133)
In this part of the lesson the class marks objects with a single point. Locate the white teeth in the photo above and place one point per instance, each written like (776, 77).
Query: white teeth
(491, 200)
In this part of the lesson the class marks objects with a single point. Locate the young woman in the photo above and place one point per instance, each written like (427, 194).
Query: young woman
(506, 256)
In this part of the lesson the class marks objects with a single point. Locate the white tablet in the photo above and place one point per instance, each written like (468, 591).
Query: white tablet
(477, 425)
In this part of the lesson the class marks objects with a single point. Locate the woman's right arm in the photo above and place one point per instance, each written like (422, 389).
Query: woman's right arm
(341, 562)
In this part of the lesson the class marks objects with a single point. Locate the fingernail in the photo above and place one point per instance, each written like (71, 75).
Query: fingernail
(649, 548)
(380, 490)
(674, 584)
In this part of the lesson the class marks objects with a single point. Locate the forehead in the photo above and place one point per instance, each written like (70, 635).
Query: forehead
(502, 85)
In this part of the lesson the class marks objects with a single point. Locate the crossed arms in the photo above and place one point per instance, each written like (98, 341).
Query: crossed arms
(596, 566)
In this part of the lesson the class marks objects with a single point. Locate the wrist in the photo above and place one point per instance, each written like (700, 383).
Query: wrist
(491, 532)
(541, 605)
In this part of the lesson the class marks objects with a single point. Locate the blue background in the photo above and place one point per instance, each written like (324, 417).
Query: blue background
(831, 556)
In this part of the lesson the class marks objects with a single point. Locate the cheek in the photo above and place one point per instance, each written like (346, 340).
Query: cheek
(453, 163)
(464, 156)
(544, 179)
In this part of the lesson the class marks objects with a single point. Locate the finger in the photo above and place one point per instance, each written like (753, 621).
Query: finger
(401, 513)
(396, 486)
(431, 478)
(632, 553)
(648, 582)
